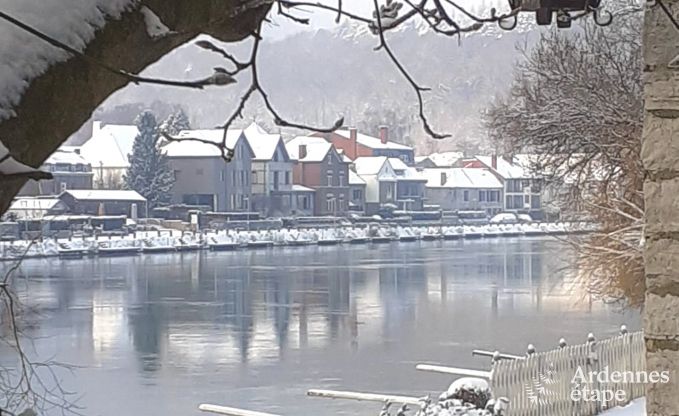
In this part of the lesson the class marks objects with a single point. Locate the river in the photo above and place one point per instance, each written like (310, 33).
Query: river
(160, 334)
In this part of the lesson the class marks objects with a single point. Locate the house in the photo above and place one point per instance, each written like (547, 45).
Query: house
(319, 166)
(355, 145)
(271, 173)
(202, 176)
(69, 171)
(380, 180)
(107, 151)
(438, 160)
(522, 190)
(104, 202)
(35, 208)
(464, 189)
(356, 192)
(410, 186)
(303, 201)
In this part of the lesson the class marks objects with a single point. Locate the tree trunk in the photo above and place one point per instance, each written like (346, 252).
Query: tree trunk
(660, 155)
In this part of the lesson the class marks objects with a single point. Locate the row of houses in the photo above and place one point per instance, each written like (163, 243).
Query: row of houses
(320, 174)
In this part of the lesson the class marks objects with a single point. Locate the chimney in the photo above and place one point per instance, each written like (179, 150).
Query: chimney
(353, 139)
(444, 178)
(384, 134)
(302, 151)
(96, 126)
(493, 161)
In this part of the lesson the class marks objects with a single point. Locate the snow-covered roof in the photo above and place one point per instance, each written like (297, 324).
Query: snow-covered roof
(316, 148)
(300, 188)
(34, 203)
(461, 178)
(109, 145)
(62, 156)
(354, 179)
(104, 195)
(441, 159)
(192, 148)
(505, 169)
(369, 165)
(405, 172)
(373, 142)
(24, 57)
(263, 144)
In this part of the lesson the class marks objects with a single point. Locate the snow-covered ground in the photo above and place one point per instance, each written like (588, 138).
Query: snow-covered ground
(636, 408)
(175, 240)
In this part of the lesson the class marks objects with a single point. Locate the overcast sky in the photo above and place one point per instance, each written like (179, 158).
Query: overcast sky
(321, 19)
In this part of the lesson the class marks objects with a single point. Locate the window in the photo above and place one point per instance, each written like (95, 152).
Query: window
(62, 186)
(357, 194)
(242, 178)
(341, 202)
(275, 180)
(514, 185)
(518, 201)
(482, 196)
(465, 196)
(329, 176)
(287, 177)
(494, 196)
(305, 202)
(329, 158)
(330, 202)
(390, 191)
(254, 176)
(341, 179)
(526, 199)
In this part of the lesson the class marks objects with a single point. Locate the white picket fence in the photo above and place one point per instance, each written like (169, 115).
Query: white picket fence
(541, 384)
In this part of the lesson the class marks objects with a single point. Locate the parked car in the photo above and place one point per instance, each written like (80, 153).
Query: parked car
(510, 218)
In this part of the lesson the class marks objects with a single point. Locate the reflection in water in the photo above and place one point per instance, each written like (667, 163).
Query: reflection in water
(258, 328)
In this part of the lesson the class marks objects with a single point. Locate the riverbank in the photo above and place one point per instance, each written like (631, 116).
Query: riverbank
(149, 242)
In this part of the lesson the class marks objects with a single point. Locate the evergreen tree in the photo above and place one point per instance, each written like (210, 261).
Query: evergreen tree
(176, 122)
(149, 173)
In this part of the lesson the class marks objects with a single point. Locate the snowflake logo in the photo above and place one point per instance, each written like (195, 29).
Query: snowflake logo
(539, 389)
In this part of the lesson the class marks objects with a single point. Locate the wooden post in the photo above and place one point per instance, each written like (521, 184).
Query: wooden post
(231, 411)
(371, 397)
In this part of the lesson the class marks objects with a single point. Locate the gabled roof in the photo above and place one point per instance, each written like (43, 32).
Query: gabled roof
(66, 157)
(441, 159)
(378, 166)
(104, 195)
(316, 148)
(193, 148)
(373, 142)
(354, 179)
(109, 145)
(505, 169)
(405, 172)
(461, 178)
(263, 144)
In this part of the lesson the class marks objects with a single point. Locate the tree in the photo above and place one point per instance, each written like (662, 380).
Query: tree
(660, 154)
(149, 173)
(176, 122)
(575, 104)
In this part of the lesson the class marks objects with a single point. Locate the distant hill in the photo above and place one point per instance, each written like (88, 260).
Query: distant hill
(313, 76)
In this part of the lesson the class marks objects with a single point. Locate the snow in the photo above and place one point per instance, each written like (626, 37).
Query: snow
(62, 156)
(316, 148)
(24, 57)
(635, 408)
(461, 178)
(441, 160)
(405, 172)
(300, 188)
(263, 144)
(109, 146)
(192, 148)
(354, 179)
(373, 142)
(504, 168)
(105, 195)
(155, 27)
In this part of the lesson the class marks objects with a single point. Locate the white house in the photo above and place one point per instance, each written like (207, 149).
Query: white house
(464, 189)
(107, 151)
(380, 182)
